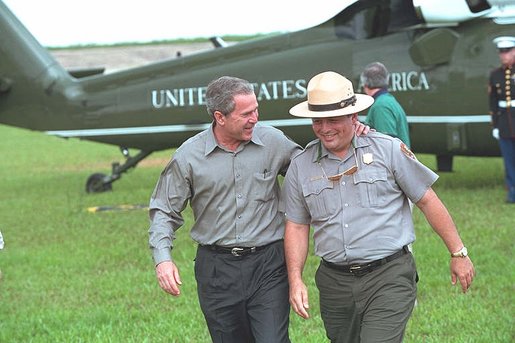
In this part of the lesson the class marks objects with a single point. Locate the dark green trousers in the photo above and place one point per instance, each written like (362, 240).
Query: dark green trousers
(371, 308)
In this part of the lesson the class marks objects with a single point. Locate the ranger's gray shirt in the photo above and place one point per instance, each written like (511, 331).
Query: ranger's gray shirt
(364, 216)
(235, 196)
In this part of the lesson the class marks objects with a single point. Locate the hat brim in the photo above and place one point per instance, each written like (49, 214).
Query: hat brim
(363, 102)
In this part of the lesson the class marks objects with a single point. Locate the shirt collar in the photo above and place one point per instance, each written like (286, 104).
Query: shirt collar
(320, 151)
(212, 144)
(379, 93)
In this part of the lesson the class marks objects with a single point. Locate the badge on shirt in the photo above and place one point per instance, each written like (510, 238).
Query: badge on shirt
(406, 151)
(368, 158)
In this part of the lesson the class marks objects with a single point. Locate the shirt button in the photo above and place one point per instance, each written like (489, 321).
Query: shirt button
(343, 183)
(346, 205)
(239, 217)
(346, 225)
(239, 195)
(238, 237)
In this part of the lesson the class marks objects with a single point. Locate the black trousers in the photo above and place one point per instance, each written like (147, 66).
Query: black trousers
(244, 298)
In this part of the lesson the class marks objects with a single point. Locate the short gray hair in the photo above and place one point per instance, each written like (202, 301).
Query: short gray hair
(375, 75)
(220, 94)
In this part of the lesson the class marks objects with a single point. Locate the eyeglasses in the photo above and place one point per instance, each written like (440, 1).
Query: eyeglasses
(349, 171)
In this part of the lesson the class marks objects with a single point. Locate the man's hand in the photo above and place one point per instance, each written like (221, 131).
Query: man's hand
(362, 129)
(168, 276)
(462, 269)
(299, 298)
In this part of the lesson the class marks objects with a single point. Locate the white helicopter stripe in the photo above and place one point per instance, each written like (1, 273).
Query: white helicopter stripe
(276, 123)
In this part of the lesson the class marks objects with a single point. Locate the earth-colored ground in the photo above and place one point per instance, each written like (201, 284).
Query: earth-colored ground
(117, 58)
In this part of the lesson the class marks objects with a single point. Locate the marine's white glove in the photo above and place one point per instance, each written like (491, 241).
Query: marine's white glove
(495, 133)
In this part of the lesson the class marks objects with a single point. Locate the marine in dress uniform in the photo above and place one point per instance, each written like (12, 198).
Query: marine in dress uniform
(502, 101)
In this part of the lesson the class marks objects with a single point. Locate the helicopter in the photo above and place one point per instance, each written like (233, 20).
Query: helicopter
(439, 54)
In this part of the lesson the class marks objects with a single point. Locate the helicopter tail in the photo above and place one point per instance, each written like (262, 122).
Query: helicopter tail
(27, 72)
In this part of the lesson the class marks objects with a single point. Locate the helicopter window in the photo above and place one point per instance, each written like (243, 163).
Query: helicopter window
(356, 22)
(478, 5)
(371, 18)
(403, 15)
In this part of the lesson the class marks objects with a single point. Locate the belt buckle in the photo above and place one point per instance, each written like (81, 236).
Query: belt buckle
(236, 251)
(354, 268)
(358, 270)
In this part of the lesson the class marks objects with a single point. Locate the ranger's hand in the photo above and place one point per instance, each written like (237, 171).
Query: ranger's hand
(168, 276)
(299, 298)
(462, 269)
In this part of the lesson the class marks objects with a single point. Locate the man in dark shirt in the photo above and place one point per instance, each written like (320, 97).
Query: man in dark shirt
(385, 115)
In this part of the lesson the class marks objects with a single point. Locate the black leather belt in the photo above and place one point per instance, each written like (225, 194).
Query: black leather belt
(365, 268)
(236, 251)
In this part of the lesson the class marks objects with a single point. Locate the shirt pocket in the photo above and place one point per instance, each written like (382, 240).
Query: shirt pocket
(318, 198)
(372, 187)
(263, 188)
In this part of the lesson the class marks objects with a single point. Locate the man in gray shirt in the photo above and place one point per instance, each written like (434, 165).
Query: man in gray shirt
(354, 191)
(228, 173)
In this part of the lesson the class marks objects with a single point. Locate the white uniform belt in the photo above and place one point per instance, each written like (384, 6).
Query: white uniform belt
(504, 103)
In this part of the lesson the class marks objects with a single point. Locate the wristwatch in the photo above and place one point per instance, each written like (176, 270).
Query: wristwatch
(463, 252)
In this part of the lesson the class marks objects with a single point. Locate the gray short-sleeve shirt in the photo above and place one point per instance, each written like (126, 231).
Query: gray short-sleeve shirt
(364, 216)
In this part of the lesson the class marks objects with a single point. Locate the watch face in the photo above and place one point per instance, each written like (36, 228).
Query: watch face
(462, 253)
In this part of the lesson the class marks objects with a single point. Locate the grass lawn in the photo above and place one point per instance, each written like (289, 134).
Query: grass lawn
(70, 275)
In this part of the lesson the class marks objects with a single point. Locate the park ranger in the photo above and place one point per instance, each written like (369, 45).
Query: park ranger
(354, 192)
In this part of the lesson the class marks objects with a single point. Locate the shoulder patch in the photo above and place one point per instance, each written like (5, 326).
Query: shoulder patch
(406, 151)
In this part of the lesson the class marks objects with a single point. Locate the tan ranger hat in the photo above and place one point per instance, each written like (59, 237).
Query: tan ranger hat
(329, 95)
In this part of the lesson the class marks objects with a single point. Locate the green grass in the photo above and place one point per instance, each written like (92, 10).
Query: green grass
(69, 275)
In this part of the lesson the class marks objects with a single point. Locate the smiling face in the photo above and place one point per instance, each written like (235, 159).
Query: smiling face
(237, 127)
(335, 133)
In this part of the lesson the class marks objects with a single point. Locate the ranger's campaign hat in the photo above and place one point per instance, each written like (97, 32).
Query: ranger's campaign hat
(504, 43)
(329, 95)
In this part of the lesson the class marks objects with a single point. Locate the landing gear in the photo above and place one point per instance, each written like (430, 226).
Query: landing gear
(444, 163)
(99, 182)
(96, 183)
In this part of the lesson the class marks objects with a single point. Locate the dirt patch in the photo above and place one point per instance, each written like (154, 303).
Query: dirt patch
(117, 58)
(149, 162)
(154, 162)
